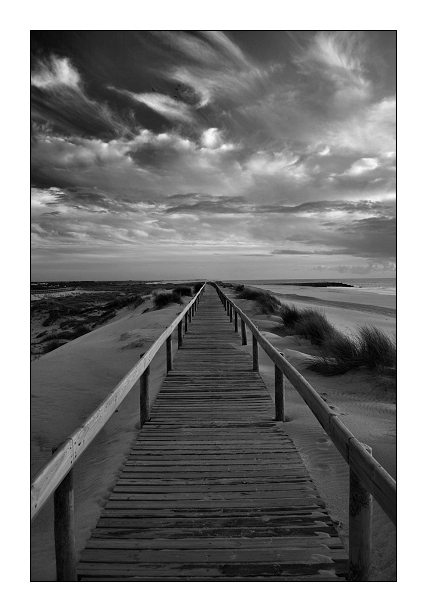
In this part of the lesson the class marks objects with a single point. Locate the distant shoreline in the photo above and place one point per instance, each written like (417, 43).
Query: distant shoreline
(319, 284)
(390, 312)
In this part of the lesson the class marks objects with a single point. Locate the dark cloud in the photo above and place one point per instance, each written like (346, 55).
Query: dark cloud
(300, 252)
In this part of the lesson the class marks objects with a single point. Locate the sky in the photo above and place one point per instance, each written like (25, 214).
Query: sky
(217, 155)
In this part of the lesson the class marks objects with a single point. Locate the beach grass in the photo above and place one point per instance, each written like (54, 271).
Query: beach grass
(267, 303)
(183, 290)
(164, 298)
(370, 348)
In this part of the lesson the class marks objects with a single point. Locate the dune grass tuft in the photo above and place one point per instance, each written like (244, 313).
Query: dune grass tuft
(164, 298)
(314, 326)
(378, 350)
(181, 290)
(370, 348)
(290, 315)
(266, 302)
(52, 345)
(308, 323)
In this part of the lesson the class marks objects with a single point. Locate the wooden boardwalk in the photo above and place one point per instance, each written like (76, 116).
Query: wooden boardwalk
(213, 488)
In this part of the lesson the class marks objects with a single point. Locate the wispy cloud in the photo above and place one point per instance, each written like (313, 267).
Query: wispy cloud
(164, 105)
(337, 57)
(59, 100)
(55, 72)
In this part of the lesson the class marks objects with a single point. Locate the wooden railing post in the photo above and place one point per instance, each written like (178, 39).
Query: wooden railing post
(231, 313)
(243, 326)
(180, 337)
(255, 354)
(360, 526)
(169, 358)
(236, 322)
(65, 545)
(144, 396)
(279, 392)
(186, 323)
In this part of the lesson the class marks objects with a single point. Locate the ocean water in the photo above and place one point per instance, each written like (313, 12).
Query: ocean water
(375, 292)
(381, 286)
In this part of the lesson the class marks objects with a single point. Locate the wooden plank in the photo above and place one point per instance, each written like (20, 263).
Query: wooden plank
(316, 542)
(263, 555)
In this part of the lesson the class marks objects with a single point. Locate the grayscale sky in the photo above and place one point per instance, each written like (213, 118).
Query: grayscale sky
(242, 154)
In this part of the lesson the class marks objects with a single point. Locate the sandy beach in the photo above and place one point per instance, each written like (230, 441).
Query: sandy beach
(69, 382)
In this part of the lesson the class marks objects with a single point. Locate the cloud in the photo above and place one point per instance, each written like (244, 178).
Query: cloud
(211, 138)
(172, 109)
(369, 237)
(301, 252)
(336, 57)
(370, 268)
(60, 102)
(371, 130)
(361, 166)
(55, 72)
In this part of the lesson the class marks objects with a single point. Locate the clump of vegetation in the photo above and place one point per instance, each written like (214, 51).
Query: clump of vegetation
(340, 354)
(314, 326)
(309, 323)
(370, 348)
(183, 290)
(266, 302)
(378, 350)
(107, 316)
(123, 301)
(164, 298)
(52, 345)
(80, 330)
(197, 287)
(290, 315)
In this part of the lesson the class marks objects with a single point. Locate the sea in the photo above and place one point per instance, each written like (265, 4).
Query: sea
(381, 286)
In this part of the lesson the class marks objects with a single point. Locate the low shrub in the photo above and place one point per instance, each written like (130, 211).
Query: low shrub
(197, 287)
(67, 323)
(51, 346)
(138, 301)
(81, 330)
(121, 301)
(183, 290)
(163, 298)
(107, 316)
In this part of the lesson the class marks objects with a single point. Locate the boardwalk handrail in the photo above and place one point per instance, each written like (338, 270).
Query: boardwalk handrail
(366, 472)
(54, 471)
